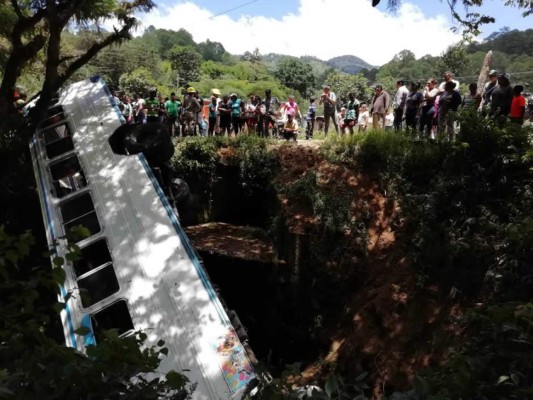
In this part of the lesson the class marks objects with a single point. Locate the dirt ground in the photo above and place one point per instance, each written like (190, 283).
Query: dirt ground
(392, 328)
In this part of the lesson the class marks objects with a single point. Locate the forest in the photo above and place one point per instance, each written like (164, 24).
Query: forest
(418, 255)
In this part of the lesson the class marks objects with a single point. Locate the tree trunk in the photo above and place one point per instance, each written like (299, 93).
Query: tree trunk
(484, 73)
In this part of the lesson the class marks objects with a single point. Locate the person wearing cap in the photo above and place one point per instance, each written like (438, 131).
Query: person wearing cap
(501, 99)
(329, 99)
(310, 118)
(379, 105)
(488, 89)
(191, 108)
(215, 93)
(398, 103)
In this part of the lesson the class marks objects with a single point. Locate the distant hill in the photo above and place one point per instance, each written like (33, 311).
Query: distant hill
(349, 64)
(513, 42)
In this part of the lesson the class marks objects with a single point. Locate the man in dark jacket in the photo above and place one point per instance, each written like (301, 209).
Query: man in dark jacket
(502, 96)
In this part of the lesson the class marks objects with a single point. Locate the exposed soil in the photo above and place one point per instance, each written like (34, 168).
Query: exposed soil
(391, 327)
(390, 324)
(241, 242)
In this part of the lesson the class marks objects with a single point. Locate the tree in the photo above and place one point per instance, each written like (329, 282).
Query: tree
(296, 75)
(211, 51)
(348, 83)
(254, 57)
(187, 61)
(162, 40)
(471, 21)
(455, 59)
(138, 81)
(39, 26)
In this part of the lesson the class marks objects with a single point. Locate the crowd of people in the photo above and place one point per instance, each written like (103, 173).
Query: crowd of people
(427, 112)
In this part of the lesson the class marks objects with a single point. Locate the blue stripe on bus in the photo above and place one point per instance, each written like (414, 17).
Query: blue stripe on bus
(185, 240)
(112, 101)
(52, 236)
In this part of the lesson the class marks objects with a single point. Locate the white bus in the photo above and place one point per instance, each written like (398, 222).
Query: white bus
(138, 270)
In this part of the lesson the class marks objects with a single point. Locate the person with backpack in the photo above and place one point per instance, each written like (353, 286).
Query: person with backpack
(351, 113)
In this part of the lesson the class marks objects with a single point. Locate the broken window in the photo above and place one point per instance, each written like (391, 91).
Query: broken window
(67, 176)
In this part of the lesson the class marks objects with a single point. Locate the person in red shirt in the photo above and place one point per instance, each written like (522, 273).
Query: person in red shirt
(518, 105)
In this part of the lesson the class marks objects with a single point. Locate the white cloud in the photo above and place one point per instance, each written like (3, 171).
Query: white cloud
(321, 28)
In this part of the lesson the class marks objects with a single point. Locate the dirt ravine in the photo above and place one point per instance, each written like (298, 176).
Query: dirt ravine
(392, 328)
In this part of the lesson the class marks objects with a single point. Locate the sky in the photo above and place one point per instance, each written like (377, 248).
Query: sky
(324, 28)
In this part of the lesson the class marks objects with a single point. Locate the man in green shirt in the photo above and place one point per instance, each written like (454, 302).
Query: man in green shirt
(152, 107)
(173, 109)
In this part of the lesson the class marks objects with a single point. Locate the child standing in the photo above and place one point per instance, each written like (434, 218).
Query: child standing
(363, 118)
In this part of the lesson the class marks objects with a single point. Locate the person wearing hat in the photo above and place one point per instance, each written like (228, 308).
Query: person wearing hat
(191, 108)
(329, 99)
(310, 118)
(488, 89)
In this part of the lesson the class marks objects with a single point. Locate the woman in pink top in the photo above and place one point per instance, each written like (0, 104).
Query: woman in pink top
(291, 107)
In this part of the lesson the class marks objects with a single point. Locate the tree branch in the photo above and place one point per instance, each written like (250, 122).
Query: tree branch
(117, 37)
(17, 9)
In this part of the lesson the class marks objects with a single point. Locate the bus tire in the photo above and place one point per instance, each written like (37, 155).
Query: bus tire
(153, 140)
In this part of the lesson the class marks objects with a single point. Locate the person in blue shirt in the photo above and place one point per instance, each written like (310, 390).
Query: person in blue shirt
(236, 112)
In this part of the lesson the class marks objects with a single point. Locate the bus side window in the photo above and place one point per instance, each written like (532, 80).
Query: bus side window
(80, 211)
(58, 140)
(67, 176)
(116, 316)
(93, 256)
(55, 115)
(98, 285)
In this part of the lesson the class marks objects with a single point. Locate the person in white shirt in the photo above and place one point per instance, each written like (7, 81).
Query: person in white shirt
(398, 104)
(448, 76)
(363, 118)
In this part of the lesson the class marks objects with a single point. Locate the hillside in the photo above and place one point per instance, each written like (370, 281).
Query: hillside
(349, 64)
